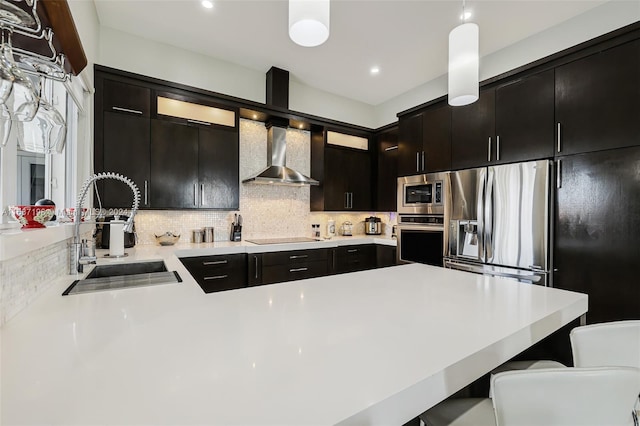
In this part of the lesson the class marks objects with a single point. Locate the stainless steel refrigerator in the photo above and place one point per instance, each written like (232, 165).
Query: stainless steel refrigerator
(498, 221)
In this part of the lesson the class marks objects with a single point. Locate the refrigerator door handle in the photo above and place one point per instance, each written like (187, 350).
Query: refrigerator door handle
(488, 219)
(482, 182)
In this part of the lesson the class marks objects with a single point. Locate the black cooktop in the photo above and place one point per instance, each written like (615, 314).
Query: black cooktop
(262, 241)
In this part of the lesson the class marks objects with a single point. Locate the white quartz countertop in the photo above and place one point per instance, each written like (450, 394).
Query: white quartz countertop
(368, 348)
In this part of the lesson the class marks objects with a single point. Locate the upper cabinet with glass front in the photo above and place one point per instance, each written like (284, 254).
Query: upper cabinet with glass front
(182, 151)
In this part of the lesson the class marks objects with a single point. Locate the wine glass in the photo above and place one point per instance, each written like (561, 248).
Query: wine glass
(5, 124)
(46, 132)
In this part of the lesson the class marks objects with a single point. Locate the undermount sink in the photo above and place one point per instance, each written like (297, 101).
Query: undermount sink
(124, 275)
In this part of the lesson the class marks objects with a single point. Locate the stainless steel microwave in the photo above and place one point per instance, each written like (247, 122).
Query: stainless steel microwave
(422, 194)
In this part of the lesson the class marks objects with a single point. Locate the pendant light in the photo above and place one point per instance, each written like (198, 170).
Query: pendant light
(309, 22)
(463, 63)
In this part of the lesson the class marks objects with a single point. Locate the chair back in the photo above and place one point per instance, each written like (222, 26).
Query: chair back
(607, 344)
(567, 396)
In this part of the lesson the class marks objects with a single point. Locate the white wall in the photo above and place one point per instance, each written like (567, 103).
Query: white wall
(591, 24)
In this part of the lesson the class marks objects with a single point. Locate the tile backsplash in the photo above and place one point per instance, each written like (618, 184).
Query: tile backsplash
(268, 211)
(24, 278)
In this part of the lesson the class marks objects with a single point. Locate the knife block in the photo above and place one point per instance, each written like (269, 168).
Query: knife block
(236, 233)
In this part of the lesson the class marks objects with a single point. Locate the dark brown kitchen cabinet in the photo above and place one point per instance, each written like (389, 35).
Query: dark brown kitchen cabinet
(524, 119)
(509, 123)
(598, 101)
(424, 143)
(126, 98)
(386, 171)
(410, 145)
(174, 166)
(122, 139)
(345, 177)
(473, 132)
(193, 166)
(126, 143)
(275, 267)
(218, 168)
(597, 223)
(218, 273)
(385, 256)
(354, 258)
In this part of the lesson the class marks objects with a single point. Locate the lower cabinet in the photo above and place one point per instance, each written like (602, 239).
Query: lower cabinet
(275, 267)
(385, 256)
(218, 273)
(354, 258)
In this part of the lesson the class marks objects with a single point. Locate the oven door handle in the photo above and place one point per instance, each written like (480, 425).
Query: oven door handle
(431, 228)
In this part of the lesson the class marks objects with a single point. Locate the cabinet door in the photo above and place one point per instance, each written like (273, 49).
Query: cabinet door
(598, 100)
(472, 132)
(125, 151)
(597, 223)
(410, 145)
(436, 138)
(387, 171)
(174, 165)
(336, 181)
(218, 160)
(127, 98)
(359, 185)
(525, 119)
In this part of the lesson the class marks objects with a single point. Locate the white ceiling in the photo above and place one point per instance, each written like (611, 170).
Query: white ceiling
(406, 39)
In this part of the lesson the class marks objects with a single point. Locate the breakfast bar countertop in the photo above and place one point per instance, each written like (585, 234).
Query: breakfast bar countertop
(375, 347)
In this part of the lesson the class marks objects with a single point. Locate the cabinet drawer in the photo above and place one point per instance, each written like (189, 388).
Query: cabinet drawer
(126, 98)
(355, 258)
(295, 271)
(295, 256)
(218, 273)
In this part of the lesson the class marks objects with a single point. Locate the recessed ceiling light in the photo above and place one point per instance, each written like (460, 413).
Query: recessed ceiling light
(374, 70)
(207, 4)
(466, 15)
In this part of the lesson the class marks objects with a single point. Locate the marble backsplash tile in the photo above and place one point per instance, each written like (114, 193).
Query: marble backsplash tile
(24, 278)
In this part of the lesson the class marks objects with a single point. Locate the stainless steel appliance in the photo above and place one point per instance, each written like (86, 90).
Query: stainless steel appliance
(373, 226)
(499, 221)
(420, 239)
(422, 194)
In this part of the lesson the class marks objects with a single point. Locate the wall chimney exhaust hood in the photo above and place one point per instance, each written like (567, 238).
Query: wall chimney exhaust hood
(277, 173)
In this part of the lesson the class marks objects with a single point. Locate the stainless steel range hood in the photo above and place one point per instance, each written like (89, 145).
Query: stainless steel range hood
(277, 173)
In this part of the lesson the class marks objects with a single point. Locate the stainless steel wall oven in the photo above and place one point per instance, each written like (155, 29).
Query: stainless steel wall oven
(421, 239)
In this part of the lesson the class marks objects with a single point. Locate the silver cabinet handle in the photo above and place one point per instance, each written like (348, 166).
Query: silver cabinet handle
(217, 277)
(559, 175)
(423, 161)
(559, 138)
(391, 148)
(299, 256)
(215, 262)
(352, 251)
(417, 161)
(202, 194)
(133, 111)
(497, 148)
(146, 193)
(204, 123)
(346, 200)
(298, 269)
(195, 194)
(255, 258)
(489, 150)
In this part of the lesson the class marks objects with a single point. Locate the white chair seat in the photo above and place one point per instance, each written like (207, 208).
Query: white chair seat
(523, 365)
(549, 397)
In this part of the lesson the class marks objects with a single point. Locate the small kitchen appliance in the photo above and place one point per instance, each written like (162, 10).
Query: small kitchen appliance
(347, 229)
(236, 228)
(373, 226)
